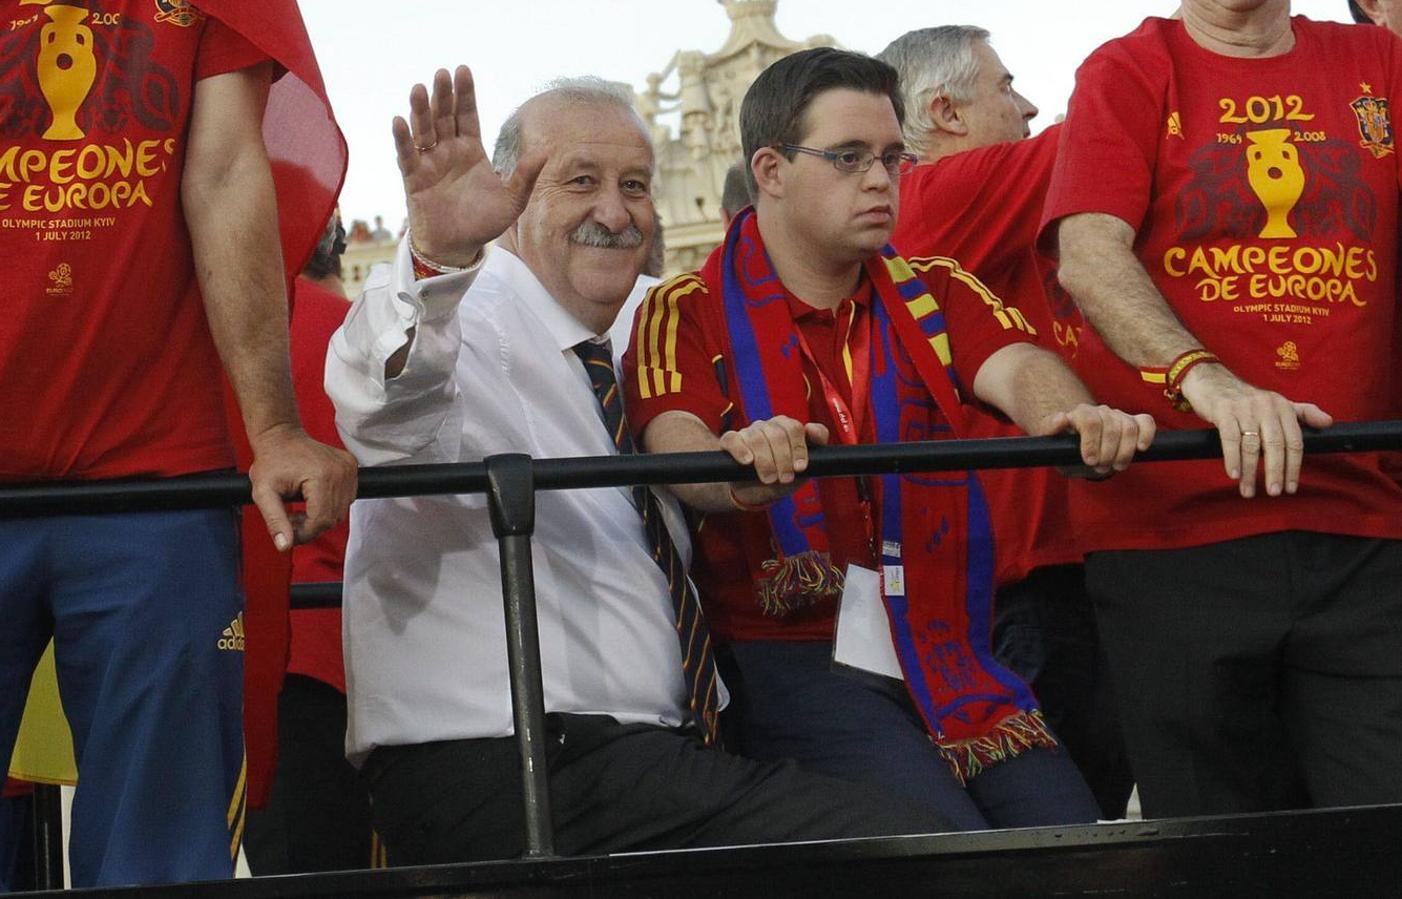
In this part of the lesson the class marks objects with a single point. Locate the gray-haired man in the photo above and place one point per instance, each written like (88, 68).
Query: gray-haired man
(977, 198)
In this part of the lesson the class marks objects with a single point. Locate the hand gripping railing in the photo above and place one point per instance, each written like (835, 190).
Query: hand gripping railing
(510, 482)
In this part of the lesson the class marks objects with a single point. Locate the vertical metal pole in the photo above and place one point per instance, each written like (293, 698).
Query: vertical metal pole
(511, 498)
(48, 837)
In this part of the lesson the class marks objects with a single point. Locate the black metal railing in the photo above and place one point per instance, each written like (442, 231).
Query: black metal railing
(206, 491)
(511, 481)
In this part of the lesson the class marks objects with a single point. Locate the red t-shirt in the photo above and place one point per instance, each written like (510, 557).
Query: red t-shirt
(106, 361)
(316, 633)
(688, 323)
(983, 207)
(1264, 193)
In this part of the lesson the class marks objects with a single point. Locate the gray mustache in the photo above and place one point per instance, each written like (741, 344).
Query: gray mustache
(593, 234)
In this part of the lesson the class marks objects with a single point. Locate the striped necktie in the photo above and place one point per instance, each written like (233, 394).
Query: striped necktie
(698, 663)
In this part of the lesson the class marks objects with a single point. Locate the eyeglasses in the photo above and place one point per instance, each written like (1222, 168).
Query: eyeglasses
(856, 161)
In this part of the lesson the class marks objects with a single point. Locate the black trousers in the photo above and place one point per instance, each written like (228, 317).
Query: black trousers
(1044, 630)
(318, 815)
(613, 788)
(1257, 674)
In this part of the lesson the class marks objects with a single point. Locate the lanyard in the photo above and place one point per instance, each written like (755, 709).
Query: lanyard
(856, 355)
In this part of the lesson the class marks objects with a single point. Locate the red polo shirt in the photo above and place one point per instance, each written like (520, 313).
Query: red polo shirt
(683, 330)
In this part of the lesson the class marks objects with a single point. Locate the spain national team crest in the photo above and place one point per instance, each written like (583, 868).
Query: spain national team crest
(177, 12)
(1374, 124)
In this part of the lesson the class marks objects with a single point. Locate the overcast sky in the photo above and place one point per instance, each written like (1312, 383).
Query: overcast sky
(371, 54)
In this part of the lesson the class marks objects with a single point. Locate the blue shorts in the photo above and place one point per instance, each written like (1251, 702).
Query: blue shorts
(147, 617)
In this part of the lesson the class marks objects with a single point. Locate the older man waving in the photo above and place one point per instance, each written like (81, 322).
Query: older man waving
(448, 357)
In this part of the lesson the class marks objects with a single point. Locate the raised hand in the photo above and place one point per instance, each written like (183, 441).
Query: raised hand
(457, 202)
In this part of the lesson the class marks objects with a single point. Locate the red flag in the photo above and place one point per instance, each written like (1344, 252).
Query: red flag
(13, 789)
(308, 155)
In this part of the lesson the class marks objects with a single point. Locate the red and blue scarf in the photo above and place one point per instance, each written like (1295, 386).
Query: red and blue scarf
(934, 528)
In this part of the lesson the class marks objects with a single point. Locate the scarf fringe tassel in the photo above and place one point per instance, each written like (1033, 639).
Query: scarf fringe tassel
(798, 581)
(1012, 736)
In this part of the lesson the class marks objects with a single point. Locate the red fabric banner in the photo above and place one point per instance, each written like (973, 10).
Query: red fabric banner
(308, 156)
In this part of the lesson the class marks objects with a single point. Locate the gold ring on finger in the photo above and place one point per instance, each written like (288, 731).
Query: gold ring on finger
(427, 148)
(1245, 434)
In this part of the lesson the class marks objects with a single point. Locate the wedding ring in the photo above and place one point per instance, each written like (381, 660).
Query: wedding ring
(429, 147)
(1245, 434)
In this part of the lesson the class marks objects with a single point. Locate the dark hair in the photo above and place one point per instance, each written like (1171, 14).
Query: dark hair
(773, 109)
(1359, 15)
(735, 195)
(326, 258)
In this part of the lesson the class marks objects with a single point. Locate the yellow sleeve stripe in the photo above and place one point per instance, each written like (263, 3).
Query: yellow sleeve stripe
(673, 319)
(1009, 317)
(661, 309)
(656, 337)
(640, 344)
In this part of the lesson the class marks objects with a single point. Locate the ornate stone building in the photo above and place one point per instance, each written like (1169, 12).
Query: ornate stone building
(700, 93)
(365, 248)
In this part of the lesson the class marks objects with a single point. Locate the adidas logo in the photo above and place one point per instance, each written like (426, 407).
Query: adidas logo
(233, 635)
(1175, 125)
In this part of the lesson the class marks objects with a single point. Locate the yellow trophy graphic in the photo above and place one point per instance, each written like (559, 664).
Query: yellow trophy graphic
(1274, 172)
(67, 68)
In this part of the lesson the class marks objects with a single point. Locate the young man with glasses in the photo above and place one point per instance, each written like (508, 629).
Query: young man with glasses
(804, 326)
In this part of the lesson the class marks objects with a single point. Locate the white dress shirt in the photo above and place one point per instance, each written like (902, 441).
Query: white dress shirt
(425, 638)
(621, 334)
